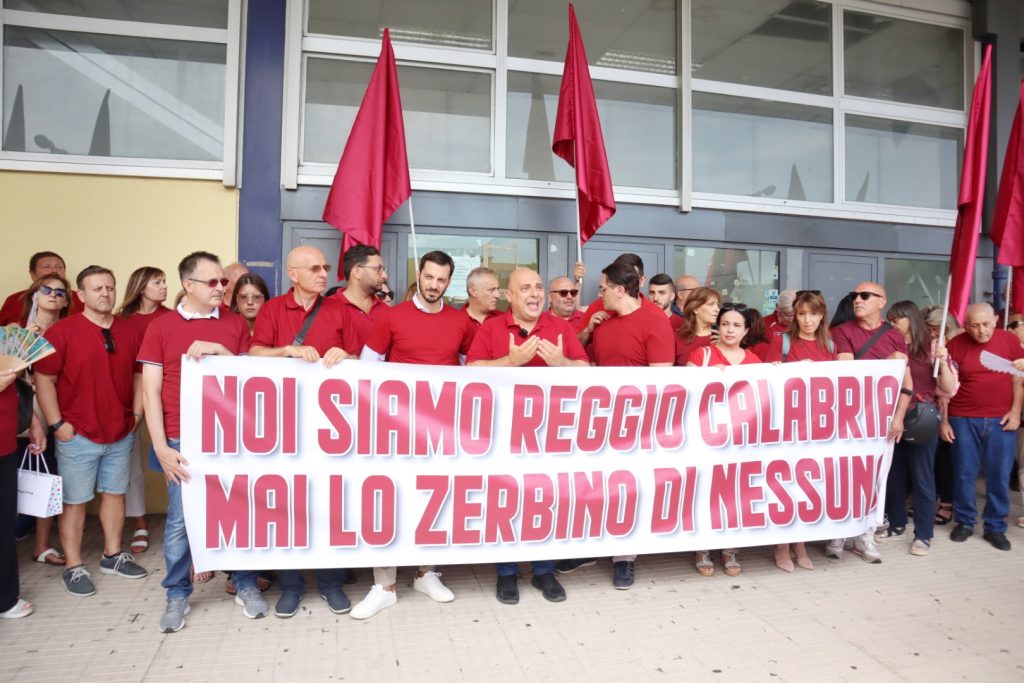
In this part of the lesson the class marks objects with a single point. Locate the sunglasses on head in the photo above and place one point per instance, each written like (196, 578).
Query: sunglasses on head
(56, 291)
(732, 307)
(384, 294)
(864, 296)
(809, 292)
(565, 292)
(108, 340)
(212, 282)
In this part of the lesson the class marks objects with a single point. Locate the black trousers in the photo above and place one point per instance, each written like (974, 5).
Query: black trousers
(8, 514)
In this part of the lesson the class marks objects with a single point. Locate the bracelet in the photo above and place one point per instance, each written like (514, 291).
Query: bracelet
(906, 392)
(56, 425)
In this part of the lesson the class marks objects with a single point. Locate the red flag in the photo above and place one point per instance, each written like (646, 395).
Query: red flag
(578, 137)
(373, 175)
(1008, 223)
(972, 192)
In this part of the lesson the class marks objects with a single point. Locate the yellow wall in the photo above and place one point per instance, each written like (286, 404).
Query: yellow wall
(121, 223)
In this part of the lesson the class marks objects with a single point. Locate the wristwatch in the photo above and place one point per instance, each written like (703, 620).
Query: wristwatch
(56, 425)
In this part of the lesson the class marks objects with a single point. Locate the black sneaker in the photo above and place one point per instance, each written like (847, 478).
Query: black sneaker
(288, 604)
(960, 533)
(569, 566)
(624, 574)
(508, 590)
(337, 601)
(548, 585)
(998, 540)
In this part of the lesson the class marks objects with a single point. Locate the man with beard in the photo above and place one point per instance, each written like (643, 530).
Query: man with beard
(426, 331)
(662, 292)
(363, 269)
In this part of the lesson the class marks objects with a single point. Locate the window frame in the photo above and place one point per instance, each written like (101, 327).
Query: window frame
(225, 170)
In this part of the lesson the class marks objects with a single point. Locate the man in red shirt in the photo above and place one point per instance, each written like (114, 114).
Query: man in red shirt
(200, 327)
(526, 336)
(482, 288)
(597, 313)
(869, 337)
(367, 279)
(564, 294)
(90, 396)
(302, 324)
(984, 415)
(782, 319)
(41, 264)
(424, 331)
(662, 293)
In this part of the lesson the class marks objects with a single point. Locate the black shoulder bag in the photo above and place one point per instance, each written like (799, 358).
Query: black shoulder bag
(301, 336)
(871, 342)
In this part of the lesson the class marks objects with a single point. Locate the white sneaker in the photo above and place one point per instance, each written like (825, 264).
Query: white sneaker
(864, 545)
(376, 600)
(834, 548)
(430, 583)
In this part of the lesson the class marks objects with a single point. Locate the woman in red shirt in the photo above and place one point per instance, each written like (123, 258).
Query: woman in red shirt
(733, 324)
(807, 340)
(699, 316)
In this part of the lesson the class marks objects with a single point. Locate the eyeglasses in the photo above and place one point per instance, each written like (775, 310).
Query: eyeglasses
(325, 267)
(809, 292)
(108, 340)
(732, 307)
(384, 294)
(59, 292)
(864, 296)
(565, 292)
(251, 298)
(212, 282)
(686, 289)
(1013, 324)
(380, 269)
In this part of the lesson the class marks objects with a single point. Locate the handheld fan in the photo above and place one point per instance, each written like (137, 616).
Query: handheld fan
(20, 348)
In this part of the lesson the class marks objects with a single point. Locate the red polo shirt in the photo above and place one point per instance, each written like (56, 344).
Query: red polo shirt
(850, 337)
(491, 340)
(282, 317)
(638, 338)
(13, 310)
(360, 323)
(168, 338)
(95, 388)
(982, 392)
(408, 334)
(773, 327)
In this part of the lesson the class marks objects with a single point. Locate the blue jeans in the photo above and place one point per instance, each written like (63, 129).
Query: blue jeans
(981, 443)
(291, 580)
(913, 467)
(540, 568)
(177, 554)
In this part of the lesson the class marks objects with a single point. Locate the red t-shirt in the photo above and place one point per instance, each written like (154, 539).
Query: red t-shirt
(491, 340)
(9, 420)
(773, 327)
(638, 338)
(799, 349)
(281, 318)
(683, 350)
(982, 392)
(676, 321)
(718, 358)
(95, 388)
(924, 383)
(850, 337)
(406, 334)
(598, 305)
(13, 310)
(360, 323)
(167, 340)
(141, 321)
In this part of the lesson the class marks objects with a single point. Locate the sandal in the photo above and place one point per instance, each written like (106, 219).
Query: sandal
(199, 577)
(782, 559)
(702, 561)
(140, 541)
(1020, 522)
(943, 513)
(51, 556)
(22, 608)
(730, 564)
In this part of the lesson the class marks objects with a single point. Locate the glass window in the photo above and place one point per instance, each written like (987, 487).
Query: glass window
(449, 23)
(205, 13)
(447, 113)
(897, 162)
(756, 148)
(748, 276)
(638, 35)
(501, 254)
(917, 280)
(903, 61)
(85, 93)
(638, 122)
(770, 43)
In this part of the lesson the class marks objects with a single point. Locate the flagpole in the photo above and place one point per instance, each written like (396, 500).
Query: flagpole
(942, 329)
(1006, 299)
(412, 231)
(579, 233)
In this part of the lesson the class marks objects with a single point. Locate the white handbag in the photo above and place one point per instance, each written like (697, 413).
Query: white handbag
(40, 494)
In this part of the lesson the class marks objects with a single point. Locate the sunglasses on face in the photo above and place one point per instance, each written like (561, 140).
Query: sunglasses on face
(212, 282)
(59, 292)
(864, 296)
(565, 292)
(325, 267)
(108, 340)
(384, 294)
(1014, 324)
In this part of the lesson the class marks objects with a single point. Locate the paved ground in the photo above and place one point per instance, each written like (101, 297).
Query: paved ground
(955, 615)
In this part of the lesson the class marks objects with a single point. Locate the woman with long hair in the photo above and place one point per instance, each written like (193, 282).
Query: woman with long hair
(913, 462)
(757, 335)
(808, 339)
(144, 296)
(250, 294)
(733, 323)
(699, 316)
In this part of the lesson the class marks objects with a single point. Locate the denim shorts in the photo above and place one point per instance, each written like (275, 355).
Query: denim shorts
(87, 467)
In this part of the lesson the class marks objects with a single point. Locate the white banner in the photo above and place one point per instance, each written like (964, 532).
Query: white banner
(380, 464)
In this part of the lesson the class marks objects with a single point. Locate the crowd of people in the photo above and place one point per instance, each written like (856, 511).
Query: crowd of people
(108, 398)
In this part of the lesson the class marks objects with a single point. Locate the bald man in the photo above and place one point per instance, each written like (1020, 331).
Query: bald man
(564, 297)
(684, 285)
(869, 337)
(232, 272)
(984, 415)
